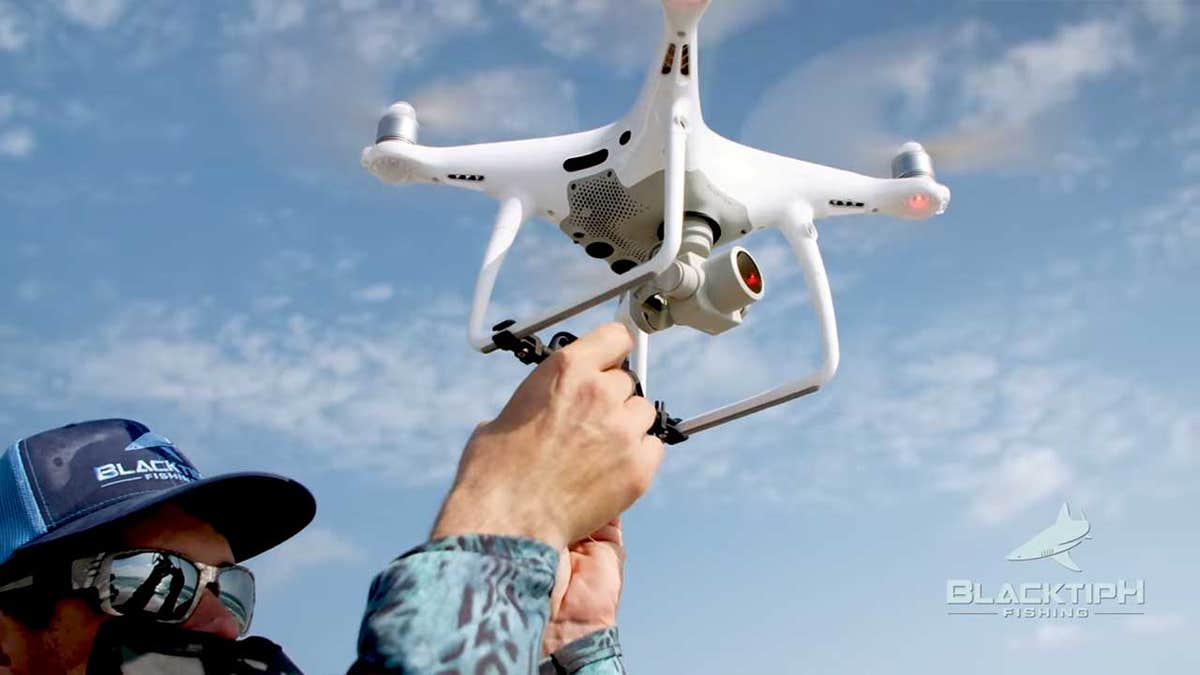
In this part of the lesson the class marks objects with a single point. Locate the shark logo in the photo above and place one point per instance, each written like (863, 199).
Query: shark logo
(153, 440)
(1055, 541)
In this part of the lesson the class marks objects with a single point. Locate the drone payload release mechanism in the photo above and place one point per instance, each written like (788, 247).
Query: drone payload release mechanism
(652, 195)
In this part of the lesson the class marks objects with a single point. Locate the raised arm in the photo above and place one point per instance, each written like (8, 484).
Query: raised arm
(568, 454)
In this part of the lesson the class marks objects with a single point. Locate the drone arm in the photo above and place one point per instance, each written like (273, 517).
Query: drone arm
(495, 168)
(834, 192)
(800, 233)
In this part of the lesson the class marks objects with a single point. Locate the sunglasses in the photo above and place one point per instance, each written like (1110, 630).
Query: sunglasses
(162, 586)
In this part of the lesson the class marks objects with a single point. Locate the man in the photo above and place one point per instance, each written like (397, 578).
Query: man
(107, 520)
(537, 495)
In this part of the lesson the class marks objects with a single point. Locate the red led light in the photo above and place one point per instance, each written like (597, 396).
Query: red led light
(918, 202)
(749, 272)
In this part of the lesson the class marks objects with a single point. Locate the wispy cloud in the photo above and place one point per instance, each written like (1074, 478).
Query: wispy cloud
(314, 547)
(331, 66)
(374, 293)
(342, 393)
(1168, 232)
(1019, 479)
(13, 33)
(979, 104)
(94, 14)
(18, 142)
(986, 402)
(1155, 624)
(497, 104)
(625, 32)
(1050, 636)
(1171, 17)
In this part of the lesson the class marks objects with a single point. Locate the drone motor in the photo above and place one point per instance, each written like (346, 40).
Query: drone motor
(399, 123)
(912, 161)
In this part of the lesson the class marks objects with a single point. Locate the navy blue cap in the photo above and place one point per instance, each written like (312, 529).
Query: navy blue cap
(66, 482)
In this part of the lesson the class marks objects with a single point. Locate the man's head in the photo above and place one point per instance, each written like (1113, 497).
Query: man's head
(113, 487)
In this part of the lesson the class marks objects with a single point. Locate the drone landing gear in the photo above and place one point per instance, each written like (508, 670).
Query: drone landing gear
(530, 350)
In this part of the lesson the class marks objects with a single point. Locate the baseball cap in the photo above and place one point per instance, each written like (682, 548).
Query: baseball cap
(63, 483)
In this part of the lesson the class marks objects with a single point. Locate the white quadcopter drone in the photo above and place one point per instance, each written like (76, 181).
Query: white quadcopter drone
(651, 195)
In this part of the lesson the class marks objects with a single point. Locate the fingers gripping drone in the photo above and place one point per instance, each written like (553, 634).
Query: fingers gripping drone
(662, 199)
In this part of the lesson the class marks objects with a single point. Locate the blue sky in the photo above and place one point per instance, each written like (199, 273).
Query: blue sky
(189, 240)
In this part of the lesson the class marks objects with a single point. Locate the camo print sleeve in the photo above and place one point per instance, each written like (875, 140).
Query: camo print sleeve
(598, 653)
(458, 606)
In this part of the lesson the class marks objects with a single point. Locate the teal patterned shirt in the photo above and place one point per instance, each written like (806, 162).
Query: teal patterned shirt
(472, 605)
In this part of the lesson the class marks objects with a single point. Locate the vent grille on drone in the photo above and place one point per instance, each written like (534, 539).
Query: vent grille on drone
(599, 206)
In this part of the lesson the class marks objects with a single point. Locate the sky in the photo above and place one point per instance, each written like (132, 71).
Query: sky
(187, 238)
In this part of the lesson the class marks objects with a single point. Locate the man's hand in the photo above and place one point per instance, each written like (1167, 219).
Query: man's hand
(568, 453)
(587, 588)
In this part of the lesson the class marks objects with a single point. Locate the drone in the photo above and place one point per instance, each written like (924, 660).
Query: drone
(662, 199)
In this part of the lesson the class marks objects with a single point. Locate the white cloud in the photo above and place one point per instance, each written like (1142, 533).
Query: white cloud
(18, 142)
(1035, 76)
(314, 547)
(394, 399)
(963, 367)
(17, 139)
(94, 14)
(1169, 16)
(13, 34)
(626, 32)
(504, 102)
(332, 66)
(979, 105)
(272, 16)
(1014, 483)
(1167, 232)
(1050, 636)
(988, 402)
(1185, 439)
(1154, 624)
(374, 293)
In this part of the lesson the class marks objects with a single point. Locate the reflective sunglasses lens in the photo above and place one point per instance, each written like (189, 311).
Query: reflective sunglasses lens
(235, 588)
(152, 584)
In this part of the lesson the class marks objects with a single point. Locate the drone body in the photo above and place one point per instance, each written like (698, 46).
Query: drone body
(651, 195)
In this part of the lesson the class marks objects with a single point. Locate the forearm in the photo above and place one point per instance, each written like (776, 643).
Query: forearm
(459, 603)
(597, 653)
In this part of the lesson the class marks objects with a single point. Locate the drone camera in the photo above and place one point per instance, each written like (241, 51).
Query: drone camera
(732, 280)
(709, 294)
(399, 123)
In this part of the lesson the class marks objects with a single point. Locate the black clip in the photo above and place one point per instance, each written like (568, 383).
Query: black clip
(665, 427)
(529, 349)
